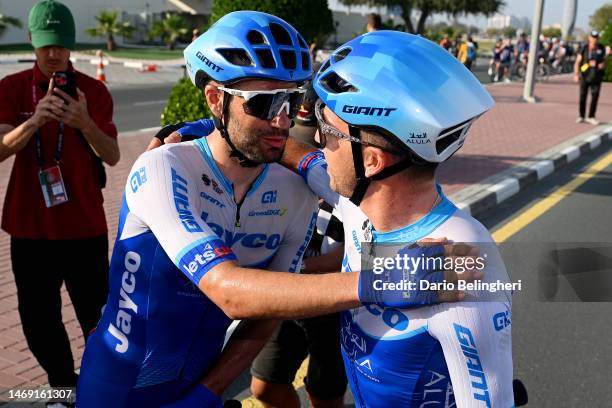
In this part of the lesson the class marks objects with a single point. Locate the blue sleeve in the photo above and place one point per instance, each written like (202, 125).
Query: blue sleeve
(199, 128)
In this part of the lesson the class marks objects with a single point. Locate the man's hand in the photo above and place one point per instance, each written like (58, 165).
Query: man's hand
(576, 78)
(396, 277)
(75, 112)
(51, 107)
(174, 137)
(457, 250)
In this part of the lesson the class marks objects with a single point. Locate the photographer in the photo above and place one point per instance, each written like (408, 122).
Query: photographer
(58, 124)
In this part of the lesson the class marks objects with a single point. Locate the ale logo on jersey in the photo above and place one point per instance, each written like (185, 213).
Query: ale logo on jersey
(137, 179)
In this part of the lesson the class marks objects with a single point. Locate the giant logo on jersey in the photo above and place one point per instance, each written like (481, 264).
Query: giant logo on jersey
(127, 308)
(474, 365)
(181, 202)
(252, 240)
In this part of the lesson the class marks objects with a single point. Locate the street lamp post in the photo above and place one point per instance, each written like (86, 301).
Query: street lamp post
(533, 52)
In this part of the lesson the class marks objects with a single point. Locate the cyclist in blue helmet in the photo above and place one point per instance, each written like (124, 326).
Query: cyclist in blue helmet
(392, 107)
(201, 222)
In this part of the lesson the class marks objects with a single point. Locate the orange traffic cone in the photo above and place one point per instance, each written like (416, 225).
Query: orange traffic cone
(100, 76)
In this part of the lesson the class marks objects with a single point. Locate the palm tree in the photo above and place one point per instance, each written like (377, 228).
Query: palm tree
(6, 22)
(109, 26)
(170, 29)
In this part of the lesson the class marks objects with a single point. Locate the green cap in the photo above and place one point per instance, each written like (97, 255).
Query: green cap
(51, 23)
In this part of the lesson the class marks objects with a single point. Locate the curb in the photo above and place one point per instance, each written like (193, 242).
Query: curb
(498, 188)
(138, 64)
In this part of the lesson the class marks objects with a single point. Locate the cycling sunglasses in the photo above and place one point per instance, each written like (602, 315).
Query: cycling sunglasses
(266, 105)
(324, 130)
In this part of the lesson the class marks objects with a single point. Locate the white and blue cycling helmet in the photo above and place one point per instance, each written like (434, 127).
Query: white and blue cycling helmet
(248, 44)
(405, 87)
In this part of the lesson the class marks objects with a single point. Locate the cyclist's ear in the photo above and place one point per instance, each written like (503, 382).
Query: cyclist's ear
(214, 98)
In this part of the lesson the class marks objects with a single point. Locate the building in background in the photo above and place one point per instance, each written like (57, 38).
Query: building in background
(141, 13)
(349, 21)
(500, 21)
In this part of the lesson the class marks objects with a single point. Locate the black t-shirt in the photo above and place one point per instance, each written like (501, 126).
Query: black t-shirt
(597, 54)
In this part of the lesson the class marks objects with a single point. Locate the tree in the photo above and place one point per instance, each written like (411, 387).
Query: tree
(427, 8)
(509, 32)
(493, 32)
(6, 22)
(109, 26)
(312, 18)
(170, 29)
(601, 18)
(551, 32)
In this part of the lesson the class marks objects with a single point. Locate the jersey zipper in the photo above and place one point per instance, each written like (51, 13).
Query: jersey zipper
(237, 219)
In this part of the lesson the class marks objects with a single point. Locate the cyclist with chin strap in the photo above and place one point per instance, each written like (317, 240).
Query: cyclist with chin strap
(395, 121)
(202, 226)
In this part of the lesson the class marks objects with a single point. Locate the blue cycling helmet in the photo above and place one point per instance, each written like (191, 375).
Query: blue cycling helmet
(406, 87)
(248, 44)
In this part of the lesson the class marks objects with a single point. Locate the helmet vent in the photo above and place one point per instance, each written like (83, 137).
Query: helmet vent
(256, 38)
(342, 54)
(305, 61)
(325, 66)
(236, 56)
(266, 58)
(288, 59)
(302, 42)
(450, 135)
(281, 36)
(335, 84)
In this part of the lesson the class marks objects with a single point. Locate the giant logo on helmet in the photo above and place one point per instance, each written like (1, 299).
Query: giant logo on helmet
(208, 62)
(367, 110)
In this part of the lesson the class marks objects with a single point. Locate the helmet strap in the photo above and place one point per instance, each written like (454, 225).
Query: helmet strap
(220, 124)
(363, 182)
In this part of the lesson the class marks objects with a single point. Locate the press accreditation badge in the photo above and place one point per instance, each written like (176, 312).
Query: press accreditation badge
(52, 185)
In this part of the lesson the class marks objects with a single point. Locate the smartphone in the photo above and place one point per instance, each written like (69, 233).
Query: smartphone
(65, 80)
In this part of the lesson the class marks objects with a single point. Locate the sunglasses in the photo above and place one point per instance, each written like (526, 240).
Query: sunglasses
(324, 130)
(266, 105)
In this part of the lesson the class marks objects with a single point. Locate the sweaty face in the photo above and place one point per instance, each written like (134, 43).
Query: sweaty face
(259, 140)
(339, 157)
(52, 58)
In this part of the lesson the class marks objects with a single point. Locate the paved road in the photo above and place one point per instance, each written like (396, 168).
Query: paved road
(139, 106)
(562, 349)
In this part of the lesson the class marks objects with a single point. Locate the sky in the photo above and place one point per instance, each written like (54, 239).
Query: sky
(553, 11)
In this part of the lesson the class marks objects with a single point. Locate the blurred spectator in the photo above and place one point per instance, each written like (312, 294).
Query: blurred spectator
(522, 49)
(456, 46)
(53, 207)
(505, 60)
(589, 71)
(494, 63)
(195, 34)
(467, 53)
(374, 22)
(445, 42)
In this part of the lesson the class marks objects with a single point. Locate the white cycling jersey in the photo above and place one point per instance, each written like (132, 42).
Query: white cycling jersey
(159, 333)
(440, 355)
